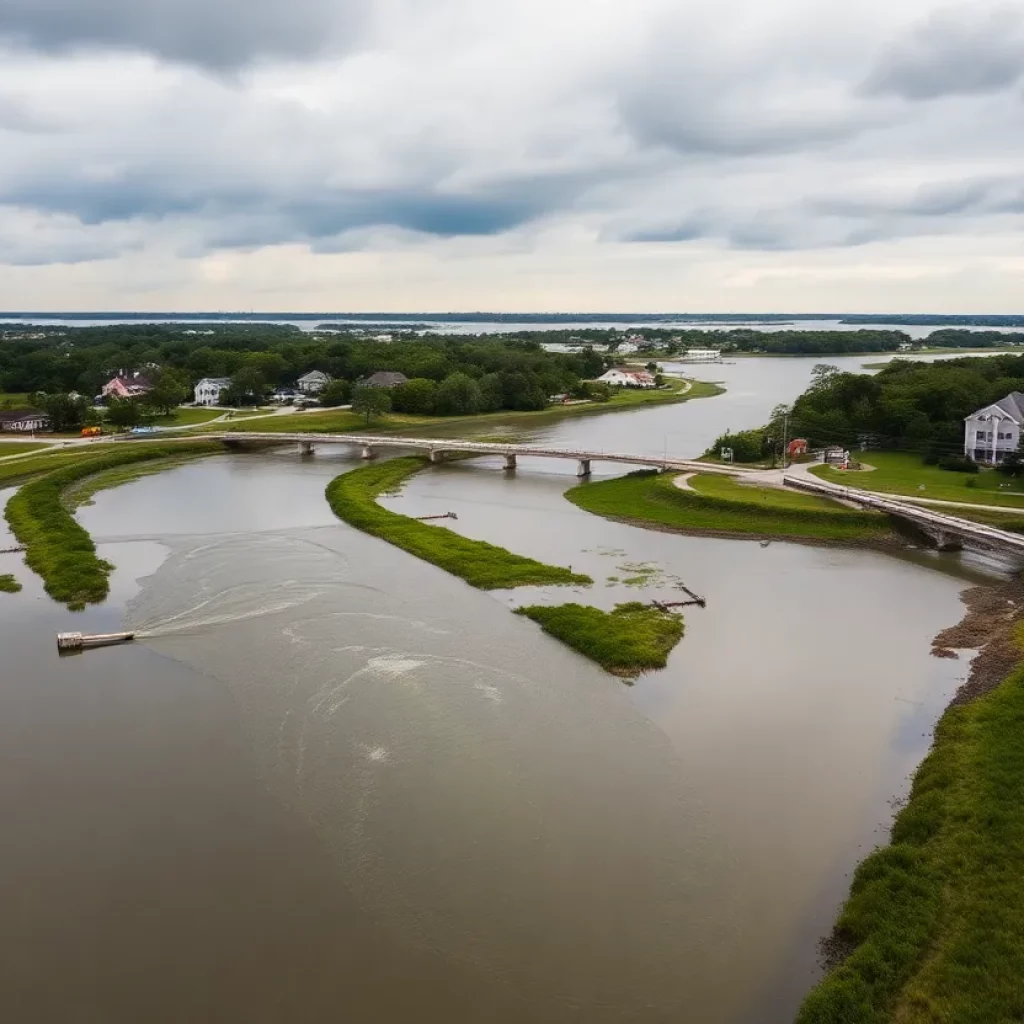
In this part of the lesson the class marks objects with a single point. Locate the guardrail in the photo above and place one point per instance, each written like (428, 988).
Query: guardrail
(965, 528)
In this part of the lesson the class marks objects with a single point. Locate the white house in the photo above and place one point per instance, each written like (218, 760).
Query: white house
(702, 355)
(209, 389)
(24, 421)
(627, 379)
(313, 382)
(627, 348)
(993, 432)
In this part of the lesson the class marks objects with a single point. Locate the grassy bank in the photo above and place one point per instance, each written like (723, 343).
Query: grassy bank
(344, 421)
(57, 547)
(935, 920)
(646, 498)
(20, 447)
(627, 641)
(352, 496)
(905, 473)
(8, 584)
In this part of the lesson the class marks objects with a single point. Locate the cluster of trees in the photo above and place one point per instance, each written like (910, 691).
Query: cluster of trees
(448, 375)
(911, 405)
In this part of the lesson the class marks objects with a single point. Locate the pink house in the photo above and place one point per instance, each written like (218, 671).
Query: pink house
(127, 385)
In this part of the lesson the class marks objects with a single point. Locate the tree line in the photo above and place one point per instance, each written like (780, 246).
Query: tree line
(448, 375)
(908, 405)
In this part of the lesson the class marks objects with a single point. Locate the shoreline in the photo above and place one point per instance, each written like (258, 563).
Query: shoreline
(923, 903)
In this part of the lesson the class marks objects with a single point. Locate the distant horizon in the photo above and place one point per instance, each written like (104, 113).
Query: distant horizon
(489, 315)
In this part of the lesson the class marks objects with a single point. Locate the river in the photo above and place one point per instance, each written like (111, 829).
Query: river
(332, 781)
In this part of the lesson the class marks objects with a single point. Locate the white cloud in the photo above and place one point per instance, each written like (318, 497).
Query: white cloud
(558, 154)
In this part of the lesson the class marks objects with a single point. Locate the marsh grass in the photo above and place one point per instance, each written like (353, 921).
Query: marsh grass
(57, 547)
(8, 584)
(352, 496)
(936, 918)
(631, 639)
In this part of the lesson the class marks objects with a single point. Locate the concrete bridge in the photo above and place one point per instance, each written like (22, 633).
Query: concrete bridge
(949, 533)
(946, 531)
(437, 448)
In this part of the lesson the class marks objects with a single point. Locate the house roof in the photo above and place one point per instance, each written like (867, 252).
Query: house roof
(314, 375)
(221, 382)
(19, 415)
(385, 379)
(1012, 405)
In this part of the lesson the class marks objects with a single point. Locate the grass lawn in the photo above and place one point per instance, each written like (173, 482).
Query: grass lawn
(649, 498)
(183, 417)
(8, 584)
(714, 485)
(627, 641)
(20, 448)
(904, 473)
(328, 421)
(12, 399)
(937, 917)
(352, 496)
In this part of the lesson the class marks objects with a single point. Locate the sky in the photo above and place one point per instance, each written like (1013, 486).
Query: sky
(518, 155)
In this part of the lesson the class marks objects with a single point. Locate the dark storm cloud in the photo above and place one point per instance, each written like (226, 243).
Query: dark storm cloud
(217, 34)
(267, 215)
(954, 52)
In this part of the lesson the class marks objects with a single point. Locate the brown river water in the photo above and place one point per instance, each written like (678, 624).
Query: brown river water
(332, 782)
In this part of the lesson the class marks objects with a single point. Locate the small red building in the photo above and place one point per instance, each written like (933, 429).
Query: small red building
(798, 446)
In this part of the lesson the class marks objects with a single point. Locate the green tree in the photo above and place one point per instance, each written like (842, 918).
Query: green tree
(123, 413)
(370, 402)
(170, 391)
(66, 413)
(1013, 464)
(459, 395)
(336, 393)
(417, 396)
(248, 387)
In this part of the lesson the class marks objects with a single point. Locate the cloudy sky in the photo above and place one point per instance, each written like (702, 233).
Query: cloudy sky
(684, 155)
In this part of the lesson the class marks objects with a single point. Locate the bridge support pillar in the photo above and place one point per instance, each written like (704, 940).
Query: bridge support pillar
(305, 447)
(510, 461)
(947, 541)
(368, 452)
(436, 456)
(583, 467)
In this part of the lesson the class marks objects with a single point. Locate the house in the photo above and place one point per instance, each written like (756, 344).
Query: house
(208, 390)
(797, 447)
(24, 421)
(127, 385)
(702, 355)
(384, 379)
(993, 432)
(906, 346)
(627, 348)
(313, 382)
(627, 378)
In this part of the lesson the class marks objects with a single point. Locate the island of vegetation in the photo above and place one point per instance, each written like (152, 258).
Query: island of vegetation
(719, 506)
(352, 496)
(632, 638)
(8, 584)
(57, 547)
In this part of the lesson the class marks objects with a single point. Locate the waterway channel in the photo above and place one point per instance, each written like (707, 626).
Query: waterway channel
(332, 781)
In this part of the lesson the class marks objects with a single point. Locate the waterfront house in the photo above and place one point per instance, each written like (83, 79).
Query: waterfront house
(702, 355)
(313, 382)
(24, 421)
(208, 390)
(384, 379)
(127, 385)
(627, 348)
(627, 378)
(991, 433)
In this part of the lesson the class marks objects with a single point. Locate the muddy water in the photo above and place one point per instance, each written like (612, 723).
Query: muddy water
(334, 782)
